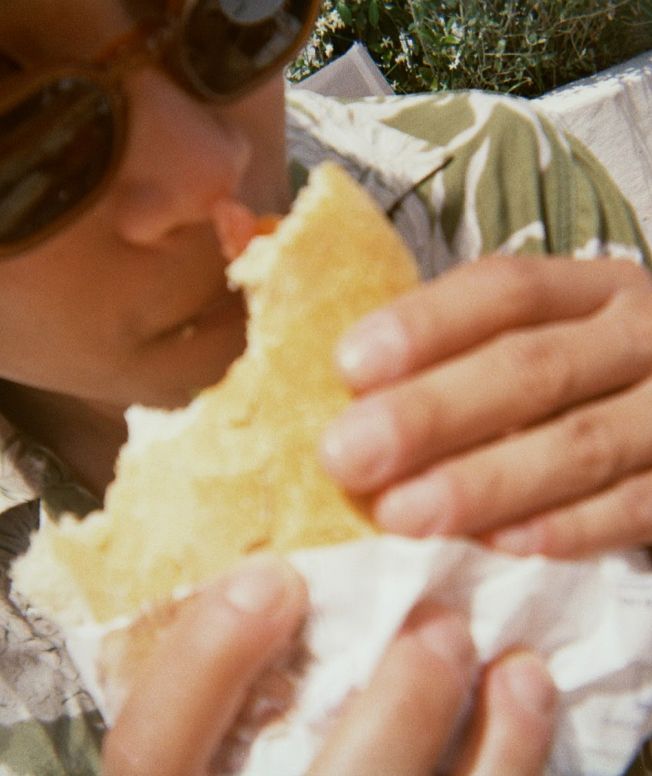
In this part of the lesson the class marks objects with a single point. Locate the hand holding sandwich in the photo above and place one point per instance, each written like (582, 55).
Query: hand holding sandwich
(181, 709)
(510, 399)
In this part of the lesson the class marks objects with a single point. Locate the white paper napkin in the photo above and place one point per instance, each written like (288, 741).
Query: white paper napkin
(591, 620)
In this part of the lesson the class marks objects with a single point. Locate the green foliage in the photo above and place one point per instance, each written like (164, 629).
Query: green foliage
(525, 48)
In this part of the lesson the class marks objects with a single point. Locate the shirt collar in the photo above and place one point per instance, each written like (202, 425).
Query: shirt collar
(390, 163)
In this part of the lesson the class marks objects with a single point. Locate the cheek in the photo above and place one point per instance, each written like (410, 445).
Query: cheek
(53, 315)
(42, 336)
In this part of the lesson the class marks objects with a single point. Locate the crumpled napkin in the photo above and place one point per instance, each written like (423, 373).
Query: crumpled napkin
(590, 619)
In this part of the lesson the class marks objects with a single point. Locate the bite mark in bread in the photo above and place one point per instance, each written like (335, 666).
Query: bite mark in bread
(236, 471)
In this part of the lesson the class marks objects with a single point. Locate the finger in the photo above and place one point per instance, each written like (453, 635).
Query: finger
(472, 304)
(512, 726)
(617, 518)
(403, 721)
(192, 687)
(508, 383)
(557, 463)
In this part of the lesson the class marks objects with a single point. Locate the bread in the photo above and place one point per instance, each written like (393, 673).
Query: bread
(236, 471)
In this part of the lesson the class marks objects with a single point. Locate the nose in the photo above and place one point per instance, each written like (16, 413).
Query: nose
(182, 156)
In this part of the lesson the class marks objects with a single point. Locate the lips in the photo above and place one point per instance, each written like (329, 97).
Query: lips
(224, 308)
(234, 225)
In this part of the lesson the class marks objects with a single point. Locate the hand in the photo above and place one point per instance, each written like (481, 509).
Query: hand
(189, 696)
(509, 400)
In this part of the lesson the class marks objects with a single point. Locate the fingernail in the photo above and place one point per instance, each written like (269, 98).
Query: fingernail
(261, 585)
(374, 350)
(529, 683)
(445, 634)
(418, 508)
(357, 448)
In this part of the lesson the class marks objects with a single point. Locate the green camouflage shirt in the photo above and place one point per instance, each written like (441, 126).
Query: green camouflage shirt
(460, 175)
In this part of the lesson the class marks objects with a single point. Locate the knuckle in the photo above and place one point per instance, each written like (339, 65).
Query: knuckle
(593, 450)
(539, 367)
(473, 498)
(574, 534)
(551, 536)
(632, 309)
(457, 503)
(398, 419)
(564, 533)
(636, 500)
(421, 407)
(632, 273)
(518, 279)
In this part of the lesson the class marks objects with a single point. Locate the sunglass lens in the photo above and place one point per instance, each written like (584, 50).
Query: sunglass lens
(56, 144)
(228, 44)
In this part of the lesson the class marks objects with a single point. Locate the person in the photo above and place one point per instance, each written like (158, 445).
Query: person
(505, 399)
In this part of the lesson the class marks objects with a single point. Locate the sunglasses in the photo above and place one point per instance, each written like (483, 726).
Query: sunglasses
(63, 130)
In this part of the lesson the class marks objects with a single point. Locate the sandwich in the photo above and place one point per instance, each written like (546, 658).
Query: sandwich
(236, 471)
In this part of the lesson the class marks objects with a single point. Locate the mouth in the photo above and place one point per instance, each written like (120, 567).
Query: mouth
(226, 307)
(234, 225)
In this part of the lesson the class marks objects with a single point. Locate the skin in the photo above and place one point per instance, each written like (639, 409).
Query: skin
(537, 461)
(401, 723)
(540, 459)
(155, 263)
(508, 400)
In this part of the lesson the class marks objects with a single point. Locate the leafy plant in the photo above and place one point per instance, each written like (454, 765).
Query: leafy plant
(524, 48)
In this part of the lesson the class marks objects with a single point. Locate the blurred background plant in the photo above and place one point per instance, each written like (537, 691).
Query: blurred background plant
(525, 48)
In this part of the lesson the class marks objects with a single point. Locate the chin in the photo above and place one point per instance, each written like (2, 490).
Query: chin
(175, 393)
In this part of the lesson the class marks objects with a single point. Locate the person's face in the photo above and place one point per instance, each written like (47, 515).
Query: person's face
(129, 303)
